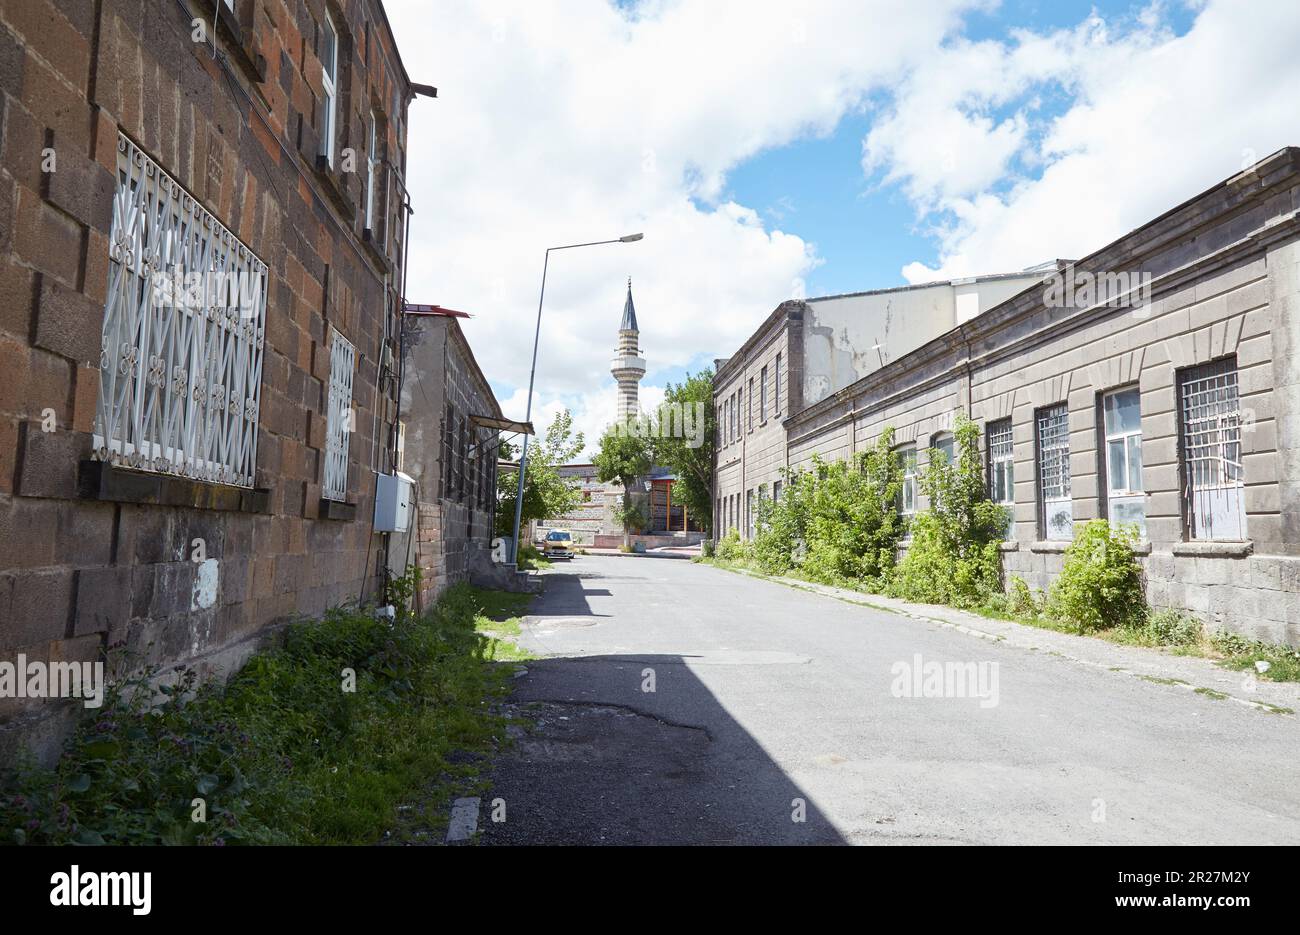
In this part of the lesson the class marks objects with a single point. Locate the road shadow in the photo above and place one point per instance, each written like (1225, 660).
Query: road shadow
(597, 759)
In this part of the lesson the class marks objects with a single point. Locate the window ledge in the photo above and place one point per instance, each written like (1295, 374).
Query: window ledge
(1050, 546)
(337, 509)
(371, 240)
(1011, 546)
(1239, 549)
(99, 480)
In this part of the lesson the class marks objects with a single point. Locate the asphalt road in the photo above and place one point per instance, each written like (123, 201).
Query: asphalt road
(784, 717)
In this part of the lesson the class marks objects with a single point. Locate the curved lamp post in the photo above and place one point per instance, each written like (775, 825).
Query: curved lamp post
(528, 413)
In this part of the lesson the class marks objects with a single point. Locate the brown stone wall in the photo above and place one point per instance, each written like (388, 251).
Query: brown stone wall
(94, 555)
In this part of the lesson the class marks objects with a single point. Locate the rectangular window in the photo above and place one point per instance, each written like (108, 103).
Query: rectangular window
(750, 406)
(372, 170)
(776, 388)
(183, 336)
(907, 496)
(1122, 458)
(776, 491)
(762, 395)
(340, 418)
(1002, 470)
(329, 59)
(1057, 522)
(462, 457)
(1213, 478)
(943, 446)
(448, 427)
(749, 514)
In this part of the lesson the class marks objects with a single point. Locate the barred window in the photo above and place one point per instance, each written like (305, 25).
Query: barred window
(1122, 458)
(183, 334)
(339, 419)
(1057, 520)
(1002, 469)
(1213, 478)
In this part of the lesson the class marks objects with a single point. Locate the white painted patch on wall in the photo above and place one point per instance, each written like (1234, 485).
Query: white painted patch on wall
(205, 585)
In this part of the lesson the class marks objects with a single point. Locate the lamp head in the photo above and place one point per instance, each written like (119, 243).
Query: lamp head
(630, 238)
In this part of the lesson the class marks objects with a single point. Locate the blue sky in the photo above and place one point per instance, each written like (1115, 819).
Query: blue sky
(733, 133)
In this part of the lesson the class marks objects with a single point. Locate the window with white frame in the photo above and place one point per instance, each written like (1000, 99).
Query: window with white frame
(1002, 470)
(339, 421)
(1213, 476)
(183, 334)
(1057, 521)
(372, 169)
(329, 59)
(762, 395)
(1122, 458)
(942, 443)
(907, 494)
(776, 387)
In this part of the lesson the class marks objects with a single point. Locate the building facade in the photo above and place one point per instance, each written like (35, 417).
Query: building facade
(202, 228)
(449, 449)
(1169, 403)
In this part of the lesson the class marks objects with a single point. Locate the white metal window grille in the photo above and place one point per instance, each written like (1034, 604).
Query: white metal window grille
(1054, 472)
(338, 428)
(907, 495)
(1122, 444)
(1002, 470)
(1214, 483)
(329, 59)
(184, 328)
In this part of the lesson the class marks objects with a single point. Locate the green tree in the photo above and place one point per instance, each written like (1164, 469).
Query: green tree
(624, 456)
(836, 523)
(546, 493)
(953, 557)
(688, 427)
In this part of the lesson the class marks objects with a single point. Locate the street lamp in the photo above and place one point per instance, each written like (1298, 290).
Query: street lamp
(528, 413)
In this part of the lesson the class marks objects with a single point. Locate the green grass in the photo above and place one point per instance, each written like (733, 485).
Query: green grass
(498, 620)
(1211, 693)
(531, 559)
(284, 753)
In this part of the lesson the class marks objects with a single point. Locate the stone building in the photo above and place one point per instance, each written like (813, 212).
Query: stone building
(201, 243)
(1163, 394)
(451, 421)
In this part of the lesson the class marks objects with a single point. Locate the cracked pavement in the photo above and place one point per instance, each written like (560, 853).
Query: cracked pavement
(771, 704)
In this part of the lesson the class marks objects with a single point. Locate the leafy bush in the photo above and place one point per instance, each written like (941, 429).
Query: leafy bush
(282, 753)
(1173, 628)
(1100, 585)
(953, 557)
(835, 523)
(730, 548)
(1021, 601)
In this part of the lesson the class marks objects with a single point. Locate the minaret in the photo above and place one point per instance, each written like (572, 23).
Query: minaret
(628, 366)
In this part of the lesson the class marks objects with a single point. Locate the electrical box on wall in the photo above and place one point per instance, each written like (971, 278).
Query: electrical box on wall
(393, 495)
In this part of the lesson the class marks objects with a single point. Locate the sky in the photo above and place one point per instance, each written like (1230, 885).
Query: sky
(772, 150)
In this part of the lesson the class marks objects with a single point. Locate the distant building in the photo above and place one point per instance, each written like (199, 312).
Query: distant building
(1172, 406)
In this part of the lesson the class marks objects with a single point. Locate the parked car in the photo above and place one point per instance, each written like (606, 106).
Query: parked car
(559, 543)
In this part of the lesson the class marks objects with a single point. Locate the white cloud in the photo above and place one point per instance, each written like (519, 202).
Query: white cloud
(572, 121)
(1150, 120)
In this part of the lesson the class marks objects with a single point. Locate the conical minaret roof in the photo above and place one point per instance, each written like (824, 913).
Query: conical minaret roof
(629, 311)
